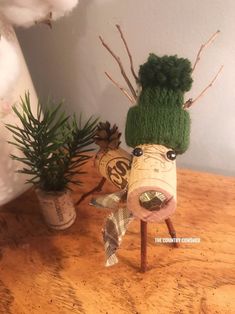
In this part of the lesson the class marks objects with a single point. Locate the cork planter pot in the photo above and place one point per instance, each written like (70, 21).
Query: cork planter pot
(57, 208)
(55, 148)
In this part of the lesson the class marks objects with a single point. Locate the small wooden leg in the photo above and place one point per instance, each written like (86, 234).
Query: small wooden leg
(143, 232)
(97, 188)
(172, 231)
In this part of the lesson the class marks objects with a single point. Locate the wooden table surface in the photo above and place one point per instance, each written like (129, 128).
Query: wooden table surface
(46, 271)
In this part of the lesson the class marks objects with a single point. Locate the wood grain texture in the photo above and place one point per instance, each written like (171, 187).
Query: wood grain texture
(45, 271)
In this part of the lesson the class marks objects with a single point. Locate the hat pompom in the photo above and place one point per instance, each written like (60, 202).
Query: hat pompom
(168, 72)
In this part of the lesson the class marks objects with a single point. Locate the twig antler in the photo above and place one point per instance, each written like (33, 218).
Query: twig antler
(128, 52)
(204, 46)
(121, 68)
(191, 101)
(123, 90)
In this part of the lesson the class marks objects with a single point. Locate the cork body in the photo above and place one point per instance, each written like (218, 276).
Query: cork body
(114, 165)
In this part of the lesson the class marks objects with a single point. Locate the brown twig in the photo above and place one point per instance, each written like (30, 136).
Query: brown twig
(188, 103)
(97, 188)
(171, 231)
(191, 101)
(128, 52)
(123, 90)
(204, 46)
(143, 256)
(47, 20)
(121, 67)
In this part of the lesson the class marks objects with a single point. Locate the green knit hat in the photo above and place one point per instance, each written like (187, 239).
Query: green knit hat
(158, 117)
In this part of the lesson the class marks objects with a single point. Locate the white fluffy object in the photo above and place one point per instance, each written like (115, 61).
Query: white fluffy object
(9, 66)
(28, 12)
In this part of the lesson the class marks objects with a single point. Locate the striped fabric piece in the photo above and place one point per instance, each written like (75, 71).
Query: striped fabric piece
(116, 223)
(115, 228)
(110, 201)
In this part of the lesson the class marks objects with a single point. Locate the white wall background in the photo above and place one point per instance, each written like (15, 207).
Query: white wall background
(68, 62)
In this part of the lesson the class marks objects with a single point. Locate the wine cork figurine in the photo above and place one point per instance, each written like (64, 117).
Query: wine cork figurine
(158, 130)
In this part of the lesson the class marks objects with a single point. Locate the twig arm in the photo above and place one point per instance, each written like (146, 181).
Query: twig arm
(97, 188)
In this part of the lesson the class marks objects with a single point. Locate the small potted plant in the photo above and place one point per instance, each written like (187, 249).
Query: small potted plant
(53, 147)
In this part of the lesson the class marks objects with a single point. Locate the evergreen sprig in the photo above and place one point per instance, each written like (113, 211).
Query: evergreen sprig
(54, 146)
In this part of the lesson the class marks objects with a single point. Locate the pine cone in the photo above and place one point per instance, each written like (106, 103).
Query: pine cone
(107, 137)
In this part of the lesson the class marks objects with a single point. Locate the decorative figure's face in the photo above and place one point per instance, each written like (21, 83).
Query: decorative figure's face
(152, 183)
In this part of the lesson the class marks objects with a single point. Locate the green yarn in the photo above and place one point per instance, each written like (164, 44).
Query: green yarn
(158, 125)
(161, 97)
(158, 116)
(167, 71)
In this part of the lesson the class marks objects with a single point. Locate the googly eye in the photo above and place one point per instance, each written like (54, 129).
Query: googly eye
(137, 152)
(171, 155)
